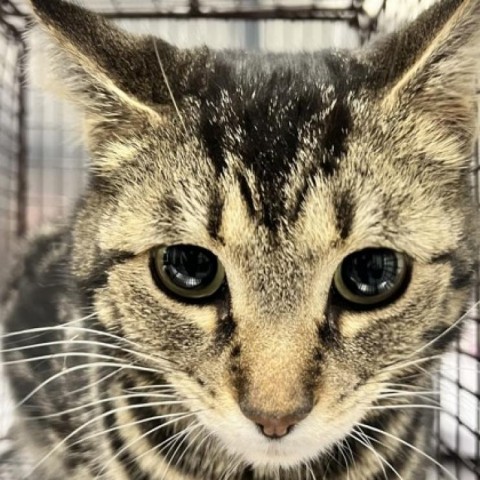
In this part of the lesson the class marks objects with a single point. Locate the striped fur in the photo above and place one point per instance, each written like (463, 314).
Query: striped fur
(282, 165)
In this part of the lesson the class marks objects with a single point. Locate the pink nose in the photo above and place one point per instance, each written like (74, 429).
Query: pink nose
(277, 427)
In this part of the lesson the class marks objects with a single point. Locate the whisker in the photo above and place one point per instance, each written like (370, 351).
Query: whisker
(367, 444)
(81, 427)
(107, 400)
(206, 438)
(167, 84)
(400, 406)
(100, 333)
(141, 437)
(351, 453)
(409, 445)
(381, 458)
(95, 383)
(90, 342)
(182, 436)
(397, 385)
(449, 329)
(191, 442)
(400, 393)
(152, 387)
(308, 465)
(77, 368)
(428, 397)
(176, 416)
(403, 365)
(45, 329)
(342, 453)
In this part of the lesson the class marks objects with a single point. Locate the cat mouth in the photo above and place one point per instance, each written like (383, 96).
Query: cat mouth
(278, 453)
(275, 451)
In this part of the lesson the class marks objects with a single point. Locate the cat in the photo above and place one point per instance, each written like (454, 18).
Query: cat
(269, 258)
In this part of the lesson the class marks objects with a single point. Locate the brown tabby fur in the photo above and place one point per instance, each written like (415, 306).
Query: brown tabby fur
(282, 165)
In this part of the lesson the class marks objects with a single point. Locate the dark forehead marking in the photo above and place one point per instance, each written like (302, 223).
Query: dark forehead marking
(302, 192)
(337, 127)
(246, 194)
(215, 215)
(262, 109)
(212, 118)
(344, 213)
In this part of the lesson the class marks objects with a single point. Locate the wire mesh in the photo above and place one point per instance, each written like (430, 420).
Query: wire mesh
(459, 420)
(12, 142)
(12, 167)
(56, 160)
(228, 9)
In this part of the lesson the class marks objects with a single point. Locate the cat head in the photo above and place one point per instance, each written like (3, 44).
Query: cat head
(290, 233)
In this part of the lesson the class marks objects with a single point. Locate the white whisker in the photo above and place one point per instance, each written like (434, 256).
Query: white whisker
(80, 428)
(107, 400)
(141, 437)
(167, 84)
(382, 460)
(75, 368)
(409, 445)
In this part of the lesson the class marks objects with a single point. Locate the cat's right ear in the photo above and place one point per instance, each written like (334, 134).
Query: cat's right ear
(110, 74)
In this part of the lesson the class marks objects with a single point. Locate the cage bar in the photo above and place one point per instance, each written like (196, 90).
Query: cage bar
(13, 147)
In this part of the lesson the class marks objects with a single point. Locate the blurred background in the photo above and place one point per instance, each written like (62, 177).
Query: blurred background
(43, 164)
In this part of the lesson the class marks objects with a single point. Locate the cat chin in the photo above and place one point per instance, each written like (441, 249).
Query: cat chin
(305, 443)
(292, 451)
(276, 456)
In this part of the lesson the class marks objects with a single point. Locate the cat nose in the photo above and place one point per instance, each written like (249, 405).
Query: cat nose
(277, 427)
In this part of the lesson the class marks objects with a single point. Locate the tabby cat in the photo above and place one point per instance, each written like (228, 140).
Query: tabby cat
(270, 256)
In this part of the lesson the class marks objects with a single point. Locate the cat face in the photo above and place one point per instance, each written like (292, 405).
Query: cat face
(297, 174)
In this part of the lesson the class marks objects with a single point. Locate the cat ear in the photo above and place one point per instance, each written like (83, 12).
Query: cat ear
(110, 74)
(431, 65)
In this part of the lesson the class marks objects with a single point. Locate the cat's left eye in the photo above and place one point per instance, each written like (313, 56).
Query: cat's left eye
(189, 272)
(371, 277)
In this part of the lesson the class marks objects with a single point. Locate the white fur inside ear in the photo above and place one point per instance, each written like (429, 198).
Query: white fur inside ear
(60, 67)
(41, 50)
(44, 71)
(52, 67)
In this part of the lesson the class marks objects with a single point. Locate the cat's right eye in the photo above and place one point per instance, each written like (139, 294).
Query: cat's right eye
(188, 272)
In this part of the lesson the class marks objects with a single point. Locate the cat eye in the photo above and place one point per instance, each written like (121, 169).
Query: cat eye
(371, 277)
(187, 271)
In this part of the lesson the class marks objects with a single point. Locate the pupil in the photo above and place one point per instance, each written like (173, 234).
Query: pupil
(189, 267)
(371, 272)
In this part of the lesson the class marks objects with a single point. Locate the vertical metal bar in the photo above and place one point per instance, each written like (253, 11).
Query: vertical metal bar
(194, 7)
(252, 32)
(476, 314)
(22, 162)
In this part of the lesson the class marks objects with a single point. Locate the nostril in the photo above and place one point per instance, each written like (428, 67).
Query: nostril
(276, 427)
(275, 424)
(274, 431)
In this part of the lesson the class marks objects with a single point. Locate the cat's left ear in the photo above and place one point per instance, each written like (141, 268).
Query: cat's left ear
(111, 75)
(431, 67)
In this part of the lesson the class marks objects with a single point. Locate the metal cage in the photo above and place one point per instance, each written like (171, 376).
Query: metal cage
(12, 131)
(42, 166)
